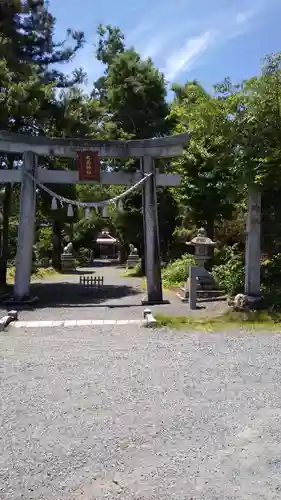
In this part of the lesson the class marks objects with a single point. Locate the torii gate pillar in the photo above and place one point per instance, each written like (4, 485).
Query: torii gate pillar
(26, 228)
(151, 236)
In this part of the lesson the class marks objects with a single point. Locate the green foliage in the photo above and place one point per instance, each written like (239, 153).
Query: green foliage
(271, 280)
(84, 256)
(36, 273)
(135, 272)
(251, 321)
(12, 240)
(271, 271)
(132, 90)
(44, 242)
(176, 273)
(84, 232)
(208, 186)
(230, 275)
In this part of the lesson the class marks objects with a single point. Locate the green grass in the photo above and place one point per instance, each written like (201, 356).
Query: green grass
(131, 273)
(134, 272)
(40, 272)
(251, 320)
(176, 272)
(173, 276)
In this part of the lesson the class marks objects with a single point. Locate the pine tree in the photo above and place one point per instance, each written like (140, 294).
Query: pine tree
(28, 79)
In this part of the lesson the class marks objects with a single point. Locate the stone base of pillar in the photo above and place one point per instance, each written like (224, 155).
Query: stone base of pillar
(20, 302)
(146, 302)
(255, 302)
(68, 263)
(243, 302)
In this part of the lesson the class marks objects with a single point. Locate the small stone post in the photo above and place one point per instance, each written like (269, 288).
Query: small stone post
(192, 287)
(26, 228)
(252, 253)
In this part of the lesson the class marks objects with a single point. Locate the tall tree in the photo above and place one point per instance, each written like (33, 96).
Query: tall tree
(133, 94)
(132, 91)
(28, 48)
(256, 119)
(208, 187)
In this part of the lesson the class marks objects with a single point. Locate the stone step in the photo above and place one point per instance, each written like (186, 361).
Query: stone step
(206, 293)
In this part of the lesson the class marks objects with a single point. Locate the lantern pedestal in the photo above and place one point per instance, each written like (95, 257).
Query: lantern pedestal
(68, 263)
(133, 261)
(133, 258)
(205, 286)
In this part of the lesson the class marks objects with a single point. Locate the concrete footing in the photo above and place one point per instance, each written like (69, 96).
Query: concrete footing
(6, 320)
(14, 301)
(146, 302)
(149, 320)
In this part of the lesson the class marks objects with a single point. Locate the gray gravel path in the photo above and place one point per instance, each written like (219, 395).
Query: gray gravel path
(131, 413)
(61, 298)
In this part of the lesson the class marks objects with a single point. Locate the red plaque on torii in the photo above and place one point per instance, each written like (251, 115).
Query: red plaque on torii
(88, 164)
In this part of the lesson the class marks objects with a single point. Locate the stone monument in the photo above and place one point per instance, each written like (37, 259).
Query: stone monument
(134, 258)
(67, 258)
(205, 284)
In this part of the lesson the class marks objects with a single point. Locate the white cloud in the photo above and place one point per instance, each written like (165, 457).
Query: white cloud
(183, 59)
(177, 38)
(139, 31)
(154, 47)
(221, 28)
(163, 38)
(243, 17)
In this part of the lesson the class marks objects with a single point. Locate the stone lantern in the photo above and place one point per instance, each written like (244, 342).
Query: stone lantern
(202, 245)
(205, 285)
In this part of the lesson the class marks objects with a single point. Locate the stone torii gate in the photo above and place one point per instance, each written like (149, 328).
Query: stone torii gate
(145, 150)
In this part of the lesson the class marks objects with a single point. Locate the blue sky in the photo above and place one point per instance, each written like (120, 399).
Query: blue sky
(186, 39)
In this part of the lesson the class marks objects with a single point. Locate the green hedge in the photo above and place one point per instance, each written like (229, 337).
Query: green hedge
(176, 273)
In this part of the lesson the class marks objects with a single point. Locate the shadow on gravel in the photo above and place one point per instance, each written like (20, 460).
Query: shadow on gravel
(103, 263)
(74, 295)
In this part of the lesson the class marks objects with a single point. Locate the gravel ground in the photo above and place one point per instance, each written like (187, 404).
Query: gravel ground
(137, 414)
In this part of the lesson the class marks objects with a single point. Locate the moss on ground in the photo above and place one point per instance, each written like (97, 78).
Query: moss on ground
(252, 320)
(134, 272)
(39, 273)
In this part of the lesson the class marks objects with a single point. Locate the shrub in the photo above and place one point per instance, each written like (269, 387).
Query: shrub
(135, 272)
(176, 273)
(84, 255)
(271, 280)
(271, 271)
(230, 275)
(224, 253)
(44, 242)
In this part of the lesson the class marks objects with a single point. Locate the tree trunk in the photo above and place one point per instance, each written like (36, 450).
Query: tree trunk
(210, 233)
(210, 228)
(123, 254)
(56, 250)
(5, 234)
